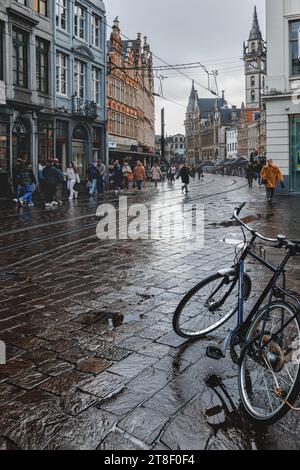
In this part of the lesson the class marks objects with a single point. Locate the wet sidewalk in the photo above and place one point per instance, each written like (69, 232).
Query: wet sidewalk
(93, 362)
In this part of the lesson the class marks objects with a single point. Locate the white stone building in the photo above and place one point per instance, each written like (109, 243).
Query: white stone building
(283, 88)
(231, 142)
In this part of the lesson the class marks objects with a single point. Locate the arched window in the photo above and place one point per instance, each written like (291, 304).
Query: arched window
(253, 47)
(80, 133)
(253, 96)
(253, 80)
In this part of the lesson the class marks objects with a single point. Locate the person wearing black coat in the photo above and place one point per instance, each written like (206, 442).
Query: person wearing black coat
(184, 174)
(53, 177)
(26, 180)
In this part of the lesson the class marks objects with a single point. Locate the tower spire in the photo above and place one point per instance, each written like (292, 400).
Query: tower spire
(193, 100)
(255, 33)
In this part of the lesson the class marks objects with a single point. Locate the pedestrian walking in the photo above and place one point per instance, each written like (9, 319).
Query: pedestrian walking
(59, 187)
(184, 174)
(41, 166)
(101, 177)
(92, 178)
(250, 173)
(193, 172)
(16, 180)
(259, 167)
(271, 176)
(172, 174)
(156, 174)
(52, 178)
(200, 172)
(116, 174)
(72, 179)
(127, 174)
(27, 180)
(139, 175)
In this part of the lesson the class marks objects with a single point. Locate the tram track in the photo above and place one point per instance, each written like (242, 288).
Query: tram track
(82, 205)
(43, 256)
(89, 216)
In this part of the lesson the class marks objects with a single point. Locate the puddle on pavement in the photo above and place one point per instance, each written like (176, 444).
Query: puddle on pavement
(234, 223)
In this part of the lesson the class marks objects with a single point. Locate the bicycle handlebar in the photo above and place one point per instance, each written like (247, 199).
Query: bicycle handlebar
(281, 239)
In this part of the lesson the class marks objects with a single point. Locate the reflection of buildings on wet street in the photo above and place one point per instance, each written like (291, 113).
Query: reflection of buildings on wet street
(92, 359)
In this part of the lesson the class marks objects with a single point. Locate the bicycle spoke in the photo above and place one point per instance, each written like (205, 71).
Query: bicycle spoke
(270, 367)
(202, 312)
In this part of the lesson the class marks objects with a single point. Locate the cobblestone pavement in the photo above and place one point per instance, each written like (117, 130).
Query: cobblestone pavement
(93, 362)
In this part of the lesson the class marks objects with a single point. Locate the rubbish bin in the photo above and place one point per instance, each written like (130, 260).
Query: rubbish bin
(5, 189)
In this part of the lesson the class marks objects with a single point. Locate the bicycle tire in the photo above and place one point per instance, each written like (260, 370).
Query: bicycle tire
(185, 333)
(245, 380)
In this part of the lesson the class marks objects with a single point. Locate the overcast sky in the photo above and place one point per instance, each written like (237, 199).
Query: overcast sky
(209, 31)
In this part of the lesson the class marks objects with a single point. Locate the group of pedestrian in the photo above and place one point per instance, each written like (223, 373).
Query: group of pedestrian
(136, 172)
(253, 172)
(268, 175)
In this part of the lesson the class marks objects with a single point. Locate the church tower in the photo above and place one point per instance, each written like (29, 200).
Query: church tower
(255, 60)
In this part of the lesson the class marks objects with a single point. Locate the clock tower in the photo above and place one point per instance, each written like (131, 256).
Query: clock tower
(255, 60)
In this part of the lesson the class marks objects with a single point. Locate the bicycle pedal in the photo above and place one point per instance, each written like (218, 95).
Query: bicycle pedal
(214, 352)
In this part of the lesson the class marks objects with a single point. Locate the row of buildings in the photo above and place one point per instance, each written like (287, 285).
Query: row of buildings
(174, 147)
(214, 130)
(64, 87)
(269, 121)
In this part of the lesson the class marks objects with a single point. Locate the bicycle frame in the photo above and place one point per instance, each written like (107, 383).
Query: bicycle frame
(270, 290)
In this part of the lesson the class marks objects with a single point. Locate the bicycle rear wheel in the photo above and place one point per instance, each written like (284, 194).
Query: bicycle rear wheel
(209, 305)
(269, 376)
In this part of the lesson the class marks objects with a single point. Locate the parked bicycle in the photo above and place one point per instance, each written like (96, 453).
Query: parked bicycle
(266, 344)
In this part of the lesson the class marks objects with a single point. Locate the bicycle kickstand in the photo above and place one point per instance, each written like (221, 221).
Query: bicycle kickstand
(216, 352)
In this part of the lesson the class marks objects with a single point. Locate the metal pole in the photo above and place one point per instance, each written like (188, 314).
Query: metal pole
(163, 133)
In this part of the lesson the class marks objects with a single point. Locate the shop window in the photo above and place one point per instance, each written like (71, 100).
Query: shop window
(4, 146)
(46, 141)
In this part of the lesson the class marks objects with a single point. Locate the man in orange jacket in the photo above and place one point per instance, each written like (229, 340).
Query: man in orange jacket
(271, 175)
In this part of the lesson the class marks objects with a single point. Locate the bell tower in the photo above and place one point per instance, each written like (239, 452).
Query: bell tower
(255, 60)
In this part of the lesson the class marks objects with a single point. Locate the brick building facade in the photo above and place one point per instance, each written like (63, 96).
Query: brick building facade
(130, 101)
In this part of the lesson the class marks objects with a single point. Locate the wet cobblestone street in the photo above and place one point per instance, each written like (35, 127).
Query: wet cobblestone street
(93, 362)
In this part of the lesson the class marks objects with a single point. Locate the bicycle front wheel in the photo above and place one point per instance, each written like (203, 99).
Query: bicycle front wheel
(269, 375)
(208, 305)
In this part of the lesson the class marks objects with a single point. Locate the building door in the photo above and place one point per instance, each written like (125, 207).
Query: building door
(20, 140)
(295, 153)
(61, 143)
(80, 149)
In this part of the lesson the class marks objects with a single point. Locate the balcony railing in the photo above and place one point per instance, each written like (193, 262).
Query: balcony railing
(84, 108)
